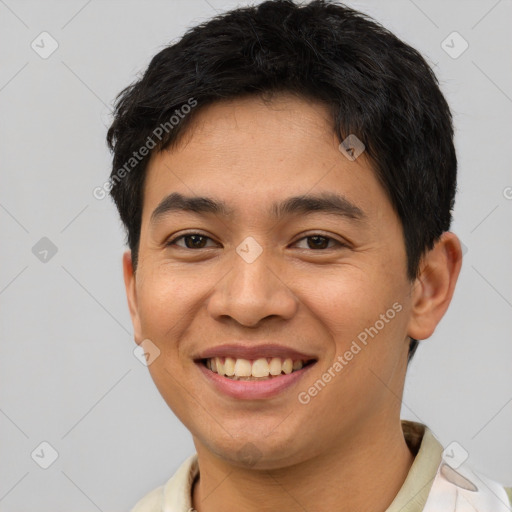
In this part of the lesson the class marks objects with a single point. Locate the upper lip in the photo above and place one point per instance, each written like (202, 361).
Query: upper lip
(239, 351)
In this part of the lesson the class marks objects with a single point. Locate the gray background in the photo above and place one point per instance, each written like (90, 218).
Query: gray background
(68, 373)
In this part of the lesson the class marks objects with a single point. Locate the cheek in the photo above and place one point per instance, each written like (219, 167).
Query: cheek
(358, 310)
(345, 302)
(167, 299)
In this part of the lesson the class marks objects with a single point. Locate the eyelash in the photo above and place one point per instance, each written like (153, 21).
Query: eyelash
(330, 239)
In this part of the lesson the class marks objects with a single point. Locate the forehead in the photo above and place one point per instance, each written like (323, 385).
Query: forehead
(250, 153)
(239, 128)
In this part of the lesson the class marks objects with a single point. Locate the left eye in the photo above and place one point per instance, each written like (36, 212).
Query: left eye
(318, 242)
(192, 241)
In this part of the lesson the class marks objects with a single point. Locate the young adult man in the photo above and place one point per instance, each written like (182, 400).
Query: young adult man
(286, 175)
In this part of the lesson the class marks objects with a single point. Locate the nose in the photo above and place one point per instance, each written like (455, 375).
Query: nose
(251, 292)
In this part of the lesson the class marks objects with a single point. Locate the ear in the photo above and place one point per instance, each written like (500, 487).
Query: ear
(433, 289)
(131, 293)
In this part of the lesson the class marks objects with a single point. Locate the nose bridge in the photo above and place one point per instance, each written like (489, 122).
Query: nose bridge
(252, 276)
(252, 290)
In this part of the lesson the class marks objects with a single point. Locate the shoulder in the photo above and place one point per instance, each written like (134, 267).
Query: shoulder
(175, 494)
(152, 502)
(508, 490)
(466, 489)
(454, 484)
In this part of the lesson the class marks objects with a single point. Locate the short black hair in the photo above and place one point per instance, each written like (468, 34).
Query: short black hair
(375, 86)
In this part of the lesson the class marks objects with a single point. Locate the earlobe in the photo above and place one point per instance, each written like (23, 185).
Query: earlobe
(131, 293)
(433, 289)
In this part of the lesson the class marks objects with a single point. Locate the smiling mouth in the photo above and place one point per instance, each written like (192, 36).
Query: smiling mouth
(254, 369)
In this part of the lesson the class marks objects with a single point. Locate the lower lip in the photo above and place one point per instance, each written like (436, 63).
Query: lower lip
(253, 389)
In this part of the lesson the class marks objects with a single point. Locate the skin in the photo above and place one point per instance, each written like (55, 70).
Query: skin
(326, 454)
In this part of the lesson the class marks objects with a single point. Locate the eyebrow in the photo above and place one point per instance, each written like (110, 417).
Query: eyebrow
(326, 202)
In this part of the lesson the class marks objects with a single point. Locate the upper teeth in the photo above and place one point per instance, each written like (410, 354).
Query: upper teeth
(262, 367)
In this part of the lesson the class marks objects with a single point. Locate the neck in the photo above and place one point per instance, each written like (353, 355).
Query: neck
(363, 473)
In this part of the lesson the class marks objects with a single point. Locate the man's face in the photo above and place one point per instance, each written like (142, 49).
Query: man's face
(310, 280)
